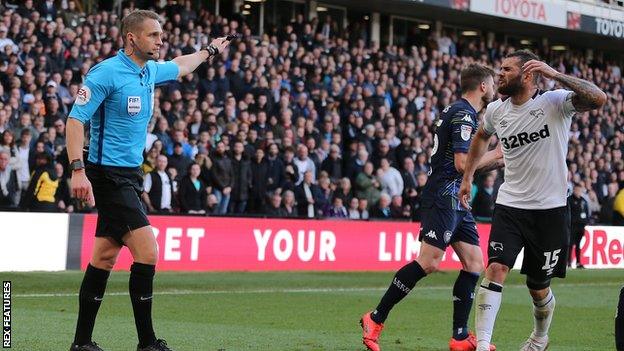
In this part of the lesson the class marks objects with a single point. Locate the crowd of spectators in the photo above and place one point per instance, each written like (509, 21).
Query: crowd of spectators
(295, 123)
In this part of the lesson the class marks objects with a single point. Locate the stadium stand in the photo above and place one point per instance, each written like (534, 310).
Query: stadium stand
(307, 96)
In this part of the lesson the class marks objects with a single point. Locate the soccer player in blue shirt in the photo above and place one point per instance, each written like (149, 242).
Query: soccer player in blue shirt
(117, 98)
(444, 221)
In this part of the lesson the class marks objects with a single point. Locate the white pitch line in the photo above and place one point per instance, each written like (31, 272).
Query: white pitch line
(291, 291)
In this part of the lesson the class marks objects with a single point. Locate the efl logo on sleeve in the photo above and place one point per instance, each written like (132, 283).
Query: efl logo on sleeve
(6, 314)
(466, 132)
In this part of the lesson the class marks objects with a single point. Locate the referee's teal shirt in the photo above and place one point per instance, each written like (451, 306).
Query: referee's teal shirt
(118, 98)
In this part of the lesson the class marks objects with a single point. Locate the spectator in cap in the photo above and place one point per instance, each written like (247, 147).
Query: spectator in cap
(179, 160)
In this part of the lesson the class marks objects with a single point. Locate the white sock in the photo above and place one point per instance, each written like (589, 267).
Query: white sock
(543, 313)
(488, 300)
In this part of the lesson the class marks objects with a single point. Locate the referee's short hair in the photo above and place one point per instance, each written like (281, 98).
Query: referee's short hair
(132, 22)
(472, 75)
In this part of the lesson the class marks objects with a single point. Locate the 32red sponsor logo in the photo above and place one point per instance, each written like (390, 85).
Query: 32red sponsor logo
(603, 247)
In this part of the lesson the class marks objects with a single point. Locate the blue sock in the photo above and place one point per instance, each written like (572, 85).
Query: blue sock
(463, 295)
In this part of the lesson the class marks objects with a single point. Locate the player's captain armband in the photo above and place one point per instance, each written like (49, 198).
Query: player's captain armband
(561, 99)
(567, 108)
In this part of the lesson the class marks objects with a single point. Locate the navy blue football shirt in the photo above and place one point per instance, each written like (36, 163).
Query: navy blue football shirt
(454, 131)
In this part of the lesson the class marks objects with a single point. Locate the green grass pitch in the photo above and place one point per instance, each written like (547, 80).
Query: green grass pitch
(301, 311)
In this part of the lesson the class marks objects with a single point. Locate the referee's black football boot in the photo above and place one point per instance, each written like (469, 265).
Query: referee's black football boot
(159, 345)
(86, 347)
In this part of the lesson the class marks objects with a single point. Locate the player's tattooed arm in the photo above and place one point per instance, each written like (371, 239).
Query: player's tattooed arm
(585, 95)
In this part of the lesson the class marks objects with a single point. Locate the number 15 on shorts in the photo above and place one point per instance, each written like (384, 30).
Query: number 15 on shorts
(552, 257)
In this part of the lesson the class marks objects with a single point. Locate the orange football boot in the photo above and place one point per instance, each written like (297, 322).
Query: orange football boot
(370, 332)
(468, 344)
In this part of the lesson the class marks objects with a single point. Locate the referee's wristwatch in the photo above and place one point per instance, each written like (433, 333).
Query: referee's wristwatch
(76, 165)
(212, 50)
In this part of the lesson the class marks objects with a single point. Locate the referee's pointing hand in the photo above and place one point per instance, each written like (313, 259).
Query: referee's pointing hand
(220, 43)
(81, 187)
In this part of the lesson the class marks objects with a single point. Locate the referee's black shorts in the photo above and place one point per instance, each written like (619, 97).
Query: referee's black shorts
(117, 192)
(544, 235)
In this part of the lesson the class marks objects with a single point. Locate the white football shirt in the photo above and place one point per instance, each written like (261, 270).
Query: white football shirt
(534, 138)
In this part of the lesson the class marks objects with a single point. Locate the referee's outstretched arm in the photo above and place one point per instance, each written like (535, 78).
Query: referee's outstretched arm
(188, 63)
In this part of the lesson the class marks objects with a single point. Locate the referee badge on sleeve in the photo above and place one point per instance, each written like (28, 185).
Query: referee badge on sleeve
(134, 105)
(466, 132)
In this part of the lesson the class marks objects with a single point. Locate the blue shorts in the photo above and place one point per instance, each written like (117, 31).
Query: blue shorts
(441, 227)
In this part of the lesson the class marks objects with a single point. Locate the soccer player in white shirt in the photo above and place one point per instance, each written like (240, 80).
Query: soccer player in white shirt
(531, 210)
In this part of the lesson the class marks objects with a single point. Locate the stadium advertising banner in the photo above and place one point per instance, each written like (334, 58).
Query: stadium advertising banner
(603, 247)
(535, 11)
(596, 25)
(33, 241)
(247, 244)
(39, 241)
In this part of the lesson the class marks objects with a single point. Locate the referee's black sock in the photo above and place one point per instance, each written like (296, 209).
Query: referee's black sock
(402, 283)
(619, 323)
(463, 295)
(141, 285)
(89, 300)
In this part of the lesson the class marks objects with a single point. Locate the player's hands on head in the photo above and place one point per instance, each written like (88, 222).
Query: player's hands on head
(220, 43)
(540, 67)
(81, 188)
(464, 194)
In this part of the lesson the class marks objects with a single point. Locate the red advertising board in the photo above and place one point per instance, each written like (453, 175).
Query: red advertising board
(603, 247)
(248, 244)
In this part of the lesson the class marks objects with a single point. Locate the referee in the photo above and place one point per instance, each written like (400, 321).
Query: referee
(117, 97)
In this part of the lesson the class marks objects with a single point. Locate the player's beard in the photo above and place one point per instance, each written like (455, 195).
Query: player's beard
(486, 99)
(512, 87)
